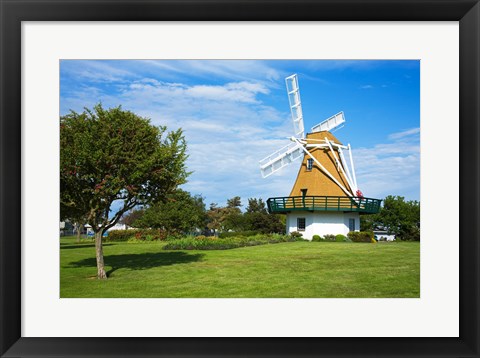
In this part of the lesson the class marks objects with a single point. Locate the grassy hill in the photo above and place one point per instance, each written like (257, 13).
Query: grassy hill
(292, 269)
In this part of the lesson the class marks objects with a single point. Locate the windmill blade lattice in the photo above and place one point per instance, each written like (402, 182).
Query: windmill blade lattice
(293, 91)
(280, 159)
(330, 123)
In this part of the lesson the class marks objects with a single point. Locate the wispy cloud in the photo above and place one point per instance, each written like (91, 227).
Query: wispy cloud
(366, 87)
(230, 70)
(390, 168)
(169, 92)
(405, 134)
(96, 71)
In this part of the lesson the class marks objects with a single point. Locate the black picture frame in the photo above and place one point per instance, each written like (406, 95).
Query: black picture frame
(13, 12)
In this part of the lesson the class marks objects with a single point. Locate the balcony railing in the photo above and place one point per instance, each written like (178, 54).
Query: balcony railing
(323, 203)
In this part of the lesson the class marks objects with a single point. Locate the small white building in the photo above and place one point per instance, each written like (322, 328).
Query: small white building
(382, 235)
(314, 223)
(119, 227)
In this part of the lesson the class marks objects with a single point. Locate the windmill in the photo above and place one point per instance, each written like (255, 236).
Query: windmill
(325, 198)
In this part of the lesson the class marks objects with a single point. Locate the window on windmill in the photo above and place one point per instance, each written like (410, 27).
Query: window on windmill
(301, 224)
(309, 164)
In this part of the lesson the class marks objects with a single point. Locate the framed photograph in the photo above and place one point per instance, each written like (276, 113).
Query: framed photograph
(401, 77)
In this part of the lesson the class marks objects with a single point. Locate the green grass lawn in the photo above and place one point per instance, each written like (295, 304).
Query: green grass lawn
(292, 269)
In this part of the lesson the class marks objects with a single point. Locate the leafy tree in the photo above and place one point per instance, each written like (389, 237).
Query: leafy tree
(256, 217)
(256, 206)
(232, 218)
(180, 213)
(221, 218)
(370, 222)
(398, 216)
(401, 217)
(113, 155)
(234, 203)
(75, 215)
(131, 217)
(263, 222)
(226, 218)
(214, 215)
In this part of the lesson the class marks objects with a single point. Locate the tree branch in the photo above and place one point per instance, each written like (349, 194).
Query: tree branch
(128, 205)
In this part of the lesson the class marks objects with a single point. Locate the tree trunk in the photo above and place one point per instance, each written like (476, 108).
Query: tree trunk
(101, 274)
(79, 232)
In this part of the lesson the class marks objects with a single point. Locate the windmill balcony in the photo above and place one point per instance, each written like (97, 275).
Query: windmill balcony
(323, 203)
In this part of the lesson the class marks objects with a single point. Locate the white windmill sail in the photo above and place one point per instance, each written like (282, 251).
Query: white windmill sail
(352, 180)
(330, 123)
(280, 158)
(293, 91)
(354, 177)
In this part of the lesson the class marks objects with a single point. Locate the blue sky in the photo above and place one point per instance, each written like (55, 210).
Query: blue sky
(236, 112)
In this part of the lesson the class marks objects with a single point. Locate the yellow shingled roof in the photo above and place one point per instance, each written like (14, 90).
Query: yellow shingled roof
(316, 181)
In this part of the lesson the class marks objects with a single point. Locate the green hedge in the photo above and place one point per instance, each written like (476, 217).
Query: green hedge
(137, 234)
(120, 235)
(224, 235)
(361, 236)
(330, 238)
(213, 243)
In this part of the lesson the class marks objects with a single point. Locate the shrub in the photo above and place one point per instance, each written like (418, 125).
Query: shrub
(139, 235)
(151, 235)
(276, 236)
(173, 236)
(329, 237)
(361, 236)
(120, 235)
(224, 235)
(340, 238)
(135, 241)
(316, 238)
(296, 235)
(212, 243)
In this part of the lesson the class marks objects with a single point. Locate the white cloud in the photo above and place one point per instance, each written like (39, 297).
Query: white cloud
(390, 168)
(406, 133)
(230, 70)
(97, 71)
(236, 92)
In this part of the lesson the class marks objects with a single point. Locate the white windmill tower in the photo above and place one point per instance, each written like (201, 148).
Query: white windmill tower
(325, 198)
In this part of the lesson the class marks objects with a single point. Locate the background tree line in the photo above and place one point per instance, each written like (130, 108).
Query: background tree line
(181, 213)
(396, 216)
